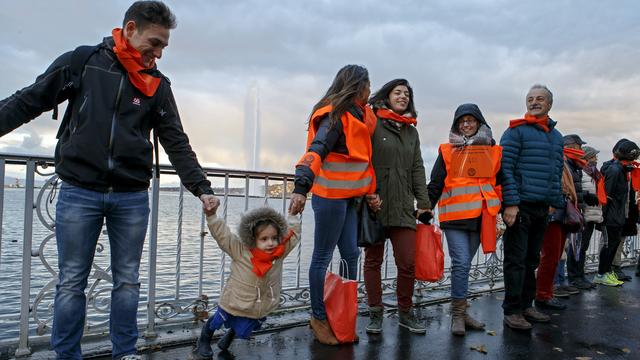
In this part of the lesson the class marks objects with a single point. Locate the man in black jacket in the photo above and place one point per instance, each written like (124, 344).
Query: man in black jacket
(617, 184)
(104, 158)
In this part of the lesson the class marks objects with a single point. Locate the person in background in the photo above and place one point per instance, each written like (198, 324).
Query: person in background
(337, 170)
(629, 229)
(591, 180)
(553, 245)
(397, 161)
(468, 202)
(617, 179)
(532, 166)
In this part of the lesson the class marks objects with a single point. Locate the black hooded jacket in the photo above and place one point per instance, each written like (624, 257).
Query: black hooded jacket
(618, 190)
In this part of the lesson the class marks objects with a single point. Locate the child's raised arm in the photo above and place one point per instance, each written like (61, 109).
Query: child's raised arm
(294, 223)
(228, 241)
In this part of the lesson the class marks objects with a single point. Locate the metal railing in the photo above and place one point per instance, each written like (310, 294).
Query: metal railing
(182, 270)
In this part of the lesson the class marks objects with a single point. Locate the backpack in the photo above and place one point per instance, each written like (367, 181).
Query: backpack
(79, 59)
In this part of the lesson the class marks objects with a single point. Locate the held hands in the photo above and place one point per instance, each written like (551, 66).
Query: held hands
(422, 211)
(296, 205)
(510, 213)
(374, 202)
(210, 204)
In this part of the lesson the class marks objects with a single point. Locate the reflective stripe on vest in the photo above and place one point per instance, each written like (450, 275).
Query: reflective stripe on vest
(466, 206)
(345, 167)
(466, 190)
(343, 184)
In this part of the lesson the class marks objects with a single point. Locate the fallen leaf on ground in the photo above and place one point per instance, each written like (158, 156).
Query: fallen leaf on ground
(557, 349)
(599, 353)
(491, 332)
(479, 348)
(625, 350)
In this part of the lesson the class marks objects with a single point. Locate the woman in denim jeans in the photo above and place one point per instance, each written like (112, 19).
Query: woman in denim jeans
(337, 169)
(463, 208)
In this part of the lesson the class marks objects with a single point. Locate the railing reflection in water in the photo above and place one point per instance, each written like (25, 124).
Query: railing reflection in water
(172, 291)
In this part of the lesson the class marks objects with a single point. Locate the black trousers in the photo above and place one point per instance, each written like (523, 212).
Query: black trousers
(575, 268)
(614, 236)
(522, 243)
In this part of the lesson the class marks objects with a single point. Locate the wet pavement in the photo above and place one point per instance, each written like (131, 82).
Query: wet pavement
(599, 324)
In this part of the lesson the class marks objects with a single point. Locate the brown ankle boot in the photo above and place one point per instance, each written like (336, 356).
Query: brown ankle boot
(458, 310)
(469, 322)
(322, 331)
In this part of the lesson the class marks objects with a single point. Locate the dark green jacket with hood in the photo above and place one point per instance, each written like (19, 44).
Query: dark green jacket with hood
(400, 173)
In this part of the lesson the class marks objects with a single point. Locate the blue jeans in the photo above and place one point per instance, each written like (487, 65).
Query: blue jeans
(336, 223)
(462, 247)
(80, 214)
(560, 278)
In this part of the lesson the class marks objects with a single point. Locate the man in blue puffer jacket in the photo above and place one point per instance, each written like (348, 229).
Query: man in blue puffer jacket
(532, 163)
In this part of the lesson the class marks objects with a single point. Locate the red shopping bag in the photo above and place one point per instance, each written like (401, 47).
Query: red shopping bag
(429, 254)
(341, 305)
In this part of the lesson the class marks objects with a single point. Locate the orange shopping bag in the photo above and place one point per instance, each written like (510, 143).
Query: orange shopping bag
(341, 305)
(429, 254)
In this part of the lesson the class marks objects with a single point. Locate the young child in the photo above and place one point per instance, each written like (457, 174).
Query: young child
(252, 290)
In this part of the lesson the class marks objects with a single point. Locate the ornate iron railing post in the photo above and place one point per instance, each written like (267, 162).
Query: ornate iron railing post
(179, 240)
(25, 296)
(2, 165)
(150, 332)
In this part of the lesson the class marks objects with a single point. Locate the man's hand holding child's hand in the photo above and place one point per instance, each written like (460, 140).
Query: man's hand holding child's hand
(210, 204)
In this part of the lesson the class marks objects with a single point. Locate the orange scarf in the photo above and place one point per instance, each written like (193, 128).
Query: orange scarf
(575, 155)
(543, 122)
(131, 59)
(263, 261)
(388, 114)
(634, 175)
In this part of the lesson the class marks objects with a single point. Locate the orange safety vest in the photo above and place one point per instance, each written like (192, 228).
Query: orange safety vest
(466, 197)
(342, 176)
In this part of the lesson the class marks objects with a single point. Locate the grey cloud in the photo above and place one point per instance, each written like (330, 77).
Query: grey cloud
(486, 52)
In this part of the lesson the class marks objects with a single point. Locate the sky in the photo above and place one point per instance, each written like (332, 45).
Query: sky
(452, 52)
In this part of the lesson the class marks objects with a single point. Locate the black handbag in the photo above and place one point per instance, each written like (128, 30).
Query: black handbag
(370, 229)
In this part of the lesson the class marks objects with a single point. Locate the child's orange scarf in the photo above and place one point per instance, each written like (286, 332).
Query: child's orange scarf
(263, 261)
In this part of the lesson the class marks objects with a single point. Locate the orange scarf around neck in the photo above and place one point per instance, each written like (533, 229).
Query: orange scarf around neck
(529, 119)
(131, 59)
(575, 155)
(634, 175)
(388, 114)
(263, 261)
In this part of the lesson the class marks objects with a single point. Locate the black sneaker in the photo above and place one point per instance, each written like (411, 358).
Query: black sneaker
(559, 291)
(572, 290)
(583, 284)
(621, 275)
(552, 304)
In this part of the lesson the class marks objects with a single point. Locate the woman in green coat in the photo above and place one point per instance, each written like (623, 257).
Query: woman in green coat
(401, 181)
